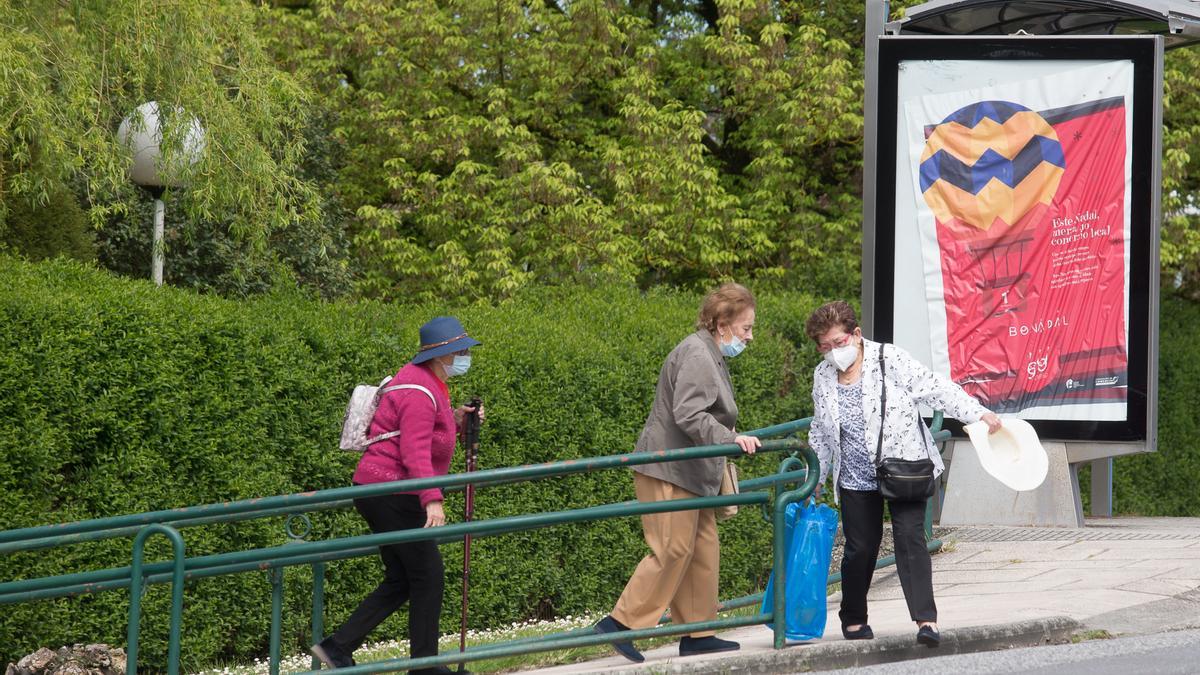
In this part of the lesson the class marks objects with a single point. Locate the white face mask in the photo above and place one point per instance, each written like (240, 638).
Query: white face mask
(733, 347)
(459, 366)
(843, 357)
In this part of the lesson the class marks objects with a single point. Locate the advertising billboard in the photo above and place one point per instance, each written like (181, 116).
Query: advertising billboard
(1016, 249)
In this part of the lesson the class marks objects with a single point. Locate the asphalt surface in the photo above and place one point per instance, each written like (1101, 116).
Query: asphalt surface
(1159, 654)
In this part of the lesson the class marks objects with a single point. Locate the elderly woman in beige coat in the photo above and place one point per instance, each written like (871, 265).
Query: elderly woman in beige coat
(693, 405)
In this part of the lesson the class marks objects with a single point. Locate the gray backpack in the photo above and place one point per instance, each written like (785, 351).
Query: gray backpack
(361, 410)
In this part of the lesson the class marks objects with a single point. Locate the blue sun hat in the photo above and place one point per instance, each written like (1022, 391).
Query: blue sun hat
(443, 335)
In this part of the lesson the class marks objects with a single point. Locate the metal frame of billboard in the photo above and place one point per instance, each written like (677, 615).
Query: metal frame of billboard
(884, 54)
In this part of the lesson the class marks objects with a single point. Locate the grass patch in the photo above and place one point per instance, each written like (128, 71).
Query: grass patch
(1086, 635)
(397, 649)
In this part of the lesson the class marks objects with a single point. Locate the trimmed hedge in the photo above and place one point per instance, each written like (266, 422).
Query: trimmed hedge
(118, 397)
(1164, 483)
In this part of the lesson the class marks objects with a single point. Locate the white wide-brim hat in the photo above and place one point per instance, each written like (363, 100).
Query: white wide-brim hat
(1013, 455)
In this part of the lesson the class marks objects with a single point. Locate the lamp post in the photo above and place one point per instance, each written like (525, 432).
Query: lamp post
(142, 133)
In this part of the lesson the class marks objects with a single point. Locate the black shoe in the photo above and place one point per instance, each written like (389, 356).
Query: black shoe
(928, 636)
(331, 654)
(625, 648)
(690, 646)
(863, 632)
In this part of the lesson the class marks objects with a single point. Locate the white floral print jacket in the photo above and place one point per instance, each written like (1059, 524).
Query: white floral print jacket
(909, 384)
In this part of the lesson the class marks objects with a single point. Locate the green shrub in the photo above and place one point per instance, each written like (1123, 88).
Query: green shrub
(118, 397)
(39, 231)
(1164, 483)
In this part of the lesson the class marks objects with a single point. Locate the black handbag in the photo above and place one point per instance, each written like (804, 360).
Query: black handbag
(901, 480)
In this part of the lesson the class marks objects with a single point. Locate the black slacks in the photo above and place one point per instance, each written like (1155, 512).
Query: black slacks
(862, 525)
(413, 573)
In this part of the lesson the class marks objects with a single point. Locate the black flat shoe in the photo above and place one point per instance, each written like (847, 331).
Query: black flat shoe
(928, 636)
(332, 655)
(863, 632)
(690, 646)
(624, 648)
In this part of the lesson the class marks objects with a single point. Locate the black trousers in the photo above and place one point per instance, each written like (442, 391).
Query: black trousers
(862, 525)
(413, 573)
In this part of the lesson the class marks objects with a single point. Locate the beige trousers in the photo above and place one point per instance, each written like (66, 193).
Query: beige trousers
(682, 569)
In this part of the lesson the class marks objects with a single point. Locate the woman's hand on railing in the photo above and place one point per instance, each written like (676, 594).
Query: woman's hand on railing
(434, 515)
(748, 443)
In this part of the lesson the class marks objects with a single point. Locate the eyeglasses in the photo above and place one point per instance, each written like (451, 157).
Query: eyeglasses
(836, 343)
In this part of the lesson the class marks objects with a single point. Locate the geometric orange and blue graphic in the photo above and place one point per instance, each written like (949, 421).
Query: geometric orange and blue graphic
(1029, 221)
(988, 164)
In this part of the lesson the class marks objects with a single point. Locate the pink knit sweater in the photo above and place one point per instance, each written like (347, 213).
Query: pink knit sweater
(426, 441)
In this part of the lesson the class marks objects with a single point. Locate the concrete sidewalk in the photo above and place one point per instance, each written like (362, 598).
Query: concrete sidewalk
(996, 587)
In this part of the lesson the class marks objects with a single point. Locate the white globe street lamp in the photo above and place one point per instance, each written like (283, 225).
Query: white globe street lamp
(141, 132)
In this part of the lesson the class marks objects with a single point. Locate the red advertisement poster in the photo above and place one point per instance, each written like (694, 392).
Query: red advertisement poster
(1028, 201)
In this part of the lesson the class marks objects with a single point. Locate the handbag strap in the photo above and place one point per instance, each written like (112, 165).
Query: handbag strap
(883, 413)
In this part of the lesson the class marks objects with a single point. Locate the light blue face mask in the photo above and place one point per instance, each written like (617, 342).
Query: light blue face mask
(460, 366)
(733, 347)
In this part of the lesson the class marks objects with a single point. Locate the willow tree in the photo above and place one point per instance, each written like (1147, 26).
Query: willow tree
(73, 69)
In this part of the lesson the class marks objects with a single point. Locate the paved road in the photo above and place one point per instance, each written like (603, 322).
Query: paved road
(1176, 653)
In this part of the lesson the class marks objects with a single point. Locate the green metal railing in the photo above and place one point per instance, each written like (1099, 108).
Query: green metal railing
(800, 468)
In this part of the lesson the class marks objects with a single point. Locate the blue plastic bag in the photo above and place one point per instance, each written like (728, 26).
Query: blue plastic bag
(808, 532)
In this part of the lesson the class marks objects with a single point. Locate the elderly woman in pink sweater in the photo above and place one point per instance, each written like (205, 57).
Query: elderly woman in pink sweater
(428, 427)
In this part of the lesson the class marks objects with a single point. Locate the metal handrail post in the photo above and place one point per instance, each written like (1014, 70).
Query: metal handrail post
(276, 575)
(942, 435)
(778, 610)
(318, 608)
(779, 526)
(135, 598)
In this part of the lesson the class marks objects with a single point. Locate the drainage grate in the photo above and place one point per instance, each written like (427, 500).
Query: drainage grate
(1056, 534)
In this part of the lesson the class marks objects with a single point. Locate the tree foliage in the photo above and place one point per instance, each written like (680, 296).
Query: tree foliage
(472, 148)
(74, 69)
(211, 256)
(494, 144)
(1181, 171)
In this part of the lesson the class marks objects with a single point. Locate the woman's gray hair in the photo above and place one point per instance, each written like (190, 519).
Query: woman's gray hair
(723, 306)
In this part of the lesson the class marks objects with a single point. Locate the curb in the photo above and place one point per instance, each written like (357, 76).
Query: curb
(844, 654)
(1179, 612)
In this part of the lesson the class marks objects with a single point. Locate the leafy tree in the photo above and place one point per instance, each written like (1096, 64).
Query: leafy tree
(1181, 172)
(207, 255)
(494, 144)
(74, 69)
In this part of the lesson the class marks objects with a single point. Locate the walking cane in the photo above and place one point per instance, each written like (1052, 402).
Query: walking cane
(471, 441)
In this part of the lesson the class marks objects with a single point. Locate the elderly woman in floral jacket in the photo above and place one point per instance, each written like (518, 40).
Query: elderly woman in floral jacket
(846, 426)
